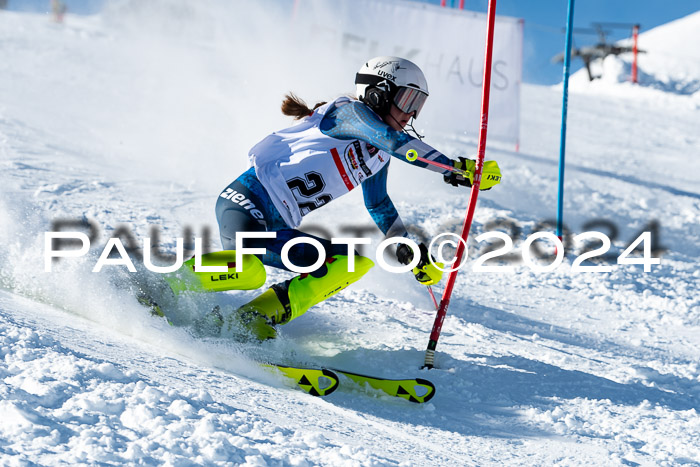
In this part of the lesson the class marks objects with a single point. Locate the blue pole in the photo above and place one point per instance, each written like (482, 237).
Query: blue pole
(562, 146)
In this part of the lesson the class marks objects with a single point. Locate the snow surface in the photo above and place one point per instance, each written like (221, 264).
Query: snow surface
(140, 116)
(667, 61)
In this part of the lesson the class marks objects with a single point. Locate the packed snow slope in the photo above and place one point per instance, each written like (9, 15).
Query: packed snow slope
(666, 62)
(136, 119)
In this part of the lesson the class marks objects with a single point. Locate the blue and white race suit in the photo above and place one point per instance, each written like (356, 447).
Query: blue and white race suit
(341, 145)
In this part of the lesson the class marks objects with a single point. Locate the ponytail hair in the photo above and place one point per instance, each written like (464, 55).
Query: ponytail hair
(293, 106)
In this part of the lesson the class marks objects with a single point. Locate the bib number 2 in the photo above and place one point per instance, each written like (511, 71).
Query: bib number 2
(309, 188)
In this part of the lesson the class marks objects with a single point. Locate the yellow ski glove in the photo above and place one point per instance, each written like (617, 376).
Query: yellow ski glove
(490, 174)
(426, 272)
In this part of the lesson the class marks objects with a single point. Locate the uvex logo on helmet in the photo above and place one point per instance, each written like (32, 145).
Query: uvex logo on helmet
(386, 75)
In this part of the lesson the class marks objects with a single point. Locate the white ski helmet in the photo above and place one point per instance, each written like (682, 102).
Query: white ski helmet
(386, 80)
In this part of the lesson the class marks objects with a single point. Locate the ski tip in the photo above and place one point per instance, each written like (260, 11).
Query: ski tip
(335, 382)
(429, 386)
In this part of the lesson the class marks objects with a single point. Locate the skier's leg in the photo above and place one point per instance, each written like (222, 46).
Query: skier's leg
(290, 299)
(248, 274)
(233, 218)
(238, 209)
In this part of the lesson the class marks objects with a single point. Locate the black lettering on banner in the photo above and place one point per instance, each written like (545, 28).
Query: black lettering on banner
(435, 65)
(498, 73)
(475, 78)
(455, 70)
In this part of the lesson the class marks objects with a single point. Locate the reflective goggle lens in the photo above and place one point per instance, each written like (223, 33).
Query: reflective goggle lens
(410, 100)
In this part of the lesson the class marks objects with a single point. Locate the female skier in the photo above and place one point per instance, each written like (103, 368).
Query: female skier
(332, 149)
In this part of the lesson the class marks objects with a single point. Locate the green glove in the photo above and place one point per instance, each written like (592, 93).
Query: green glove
(490, 174)
(429, 274)
(426, 272)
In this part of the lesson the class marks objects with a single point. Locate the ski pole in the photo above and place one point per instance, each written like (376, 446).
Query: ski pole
(485, 92)
(412, 155)
(432, 295)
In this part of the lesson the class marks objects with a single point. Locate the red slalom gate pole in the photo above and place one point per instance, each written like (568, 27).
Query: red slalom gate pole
(485, 93)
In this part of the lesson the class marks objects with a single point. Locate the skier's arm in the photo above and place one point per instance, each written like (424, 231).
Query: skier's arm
(387, 219)
(354, 120)
(380, 207)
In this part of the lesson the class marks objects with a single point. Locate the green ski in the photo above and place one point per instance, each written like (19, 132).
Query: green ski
(314, 381)
(322, 382)
(416, 390)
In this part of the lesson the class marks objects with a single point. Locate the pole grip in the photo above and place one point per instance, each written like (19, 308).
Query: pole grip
(429, 362)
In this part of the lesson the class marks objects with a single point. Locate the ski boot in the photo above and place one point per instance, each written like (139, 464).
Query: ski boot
(149, 303)
(260, 316)
(255, 319)
(288, 300)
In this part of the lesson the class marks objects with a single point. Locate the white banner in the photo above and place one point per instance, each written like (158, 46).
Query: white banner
(447, 44)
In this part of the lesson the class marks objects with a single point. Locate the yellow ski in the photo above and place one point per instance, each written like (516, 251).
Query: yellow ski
(416, 390)
(315, 381)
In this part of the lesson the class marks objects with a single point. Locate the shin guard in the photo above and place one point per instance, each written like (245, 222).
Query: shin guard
(187, 279)
(307, 290)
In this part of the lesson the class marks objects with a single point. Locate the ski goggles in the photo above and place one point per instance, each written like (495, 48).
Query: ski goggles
(410, 100)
